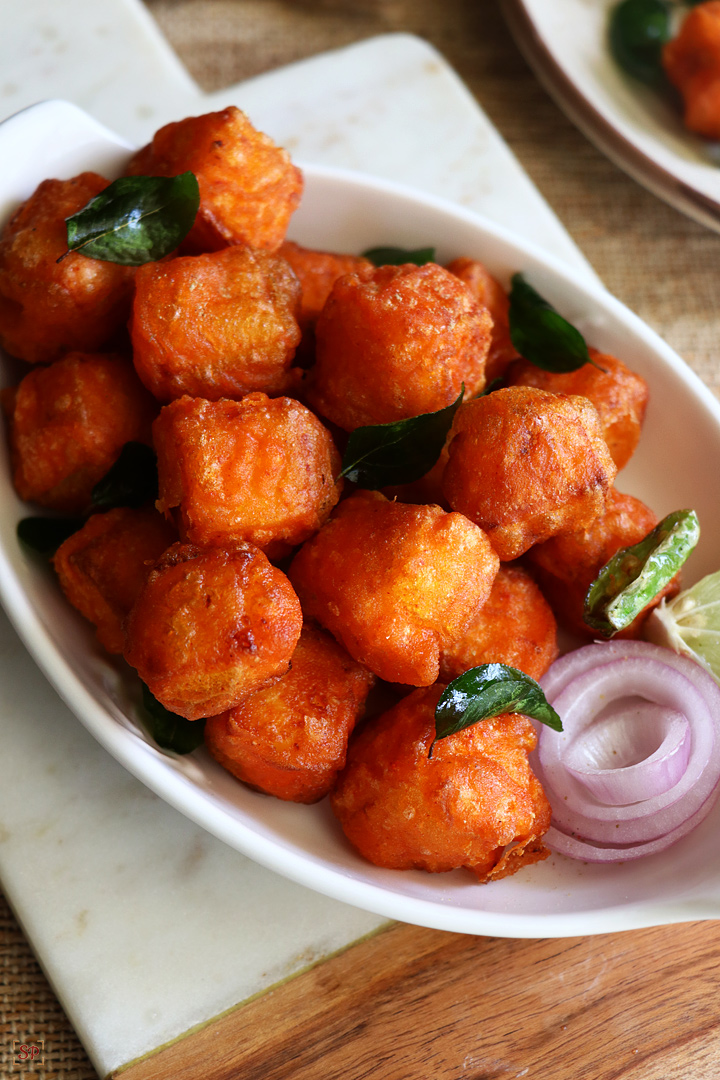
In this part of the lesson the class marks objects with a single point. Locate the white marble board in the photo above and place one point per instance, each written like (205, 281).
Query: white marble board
(145, 924)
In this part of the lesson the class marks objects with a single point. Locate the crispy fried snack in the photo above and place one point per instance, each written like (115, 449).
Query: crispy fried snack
(488, 291)
(692, 63)
(515, 626)
(619, 395)
(260, 469)
(566, 566)
(526, 465)
(69, 422)
(394, 583)
(396, 342)
(317, 272)
(217, 325)
(475, 804)
(290, 740)
(48, 307)
(249, 188)
(211, 625)
(103, 566)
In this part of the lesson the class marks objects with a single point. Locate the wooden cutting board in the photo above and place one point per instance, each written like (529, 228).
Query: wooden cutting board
(414, 1004)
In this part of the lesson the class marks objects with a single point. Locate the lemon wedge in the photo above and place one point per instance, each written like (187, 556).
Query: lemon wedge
(690, 623)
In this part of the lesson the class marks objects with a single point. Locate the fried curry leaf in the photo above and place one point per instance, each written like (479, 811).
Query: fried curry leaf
(136, 220)
(638, 30)
(170, 731)
(490, 690)
(540, 334)
(131, 481)
(44, 535)
(635, 575)
(382, 455)
(396, 256)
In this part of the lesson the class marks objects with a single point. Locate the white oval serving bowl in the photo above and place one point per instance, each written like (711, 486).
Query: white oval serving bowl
(675, 466)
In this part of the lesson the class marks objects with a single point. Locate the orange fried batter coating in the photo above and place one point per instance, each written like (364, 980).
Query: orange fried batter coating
(567, 565)
(619, 395)
(526, 465)
(290, 740)
(475, 804)
(317, 272)
(488, 291)
(394, 583)
(48, 307)
(249, 188)
(103, 566)
(69, 422)
(217, 325)
(692, 64)
(395, 342)
(261, 469)
(211, 625)
(515, 626)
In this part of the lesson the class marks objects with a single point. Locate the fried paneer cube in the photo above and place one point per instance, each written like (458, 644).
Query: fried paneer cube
(216, 325)
(394, 583)
(488, 291)
(692, 63)
(619, 395)
(249, 188)
(211, 625)
(317, 272)
(261, 469)
(515, 626)
(68, 423)
(290, 740)
(567, 565)
(464, 807)
(526, 465)
(47, 307)
(395, 342)
(103, 566)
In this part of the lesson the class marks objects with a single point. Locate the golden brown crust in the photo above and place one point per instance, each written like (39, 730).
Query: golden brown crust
(396, 342)
(249, 188)
(210, 626)
(290, 740)
(214, 326)
(526, 465)
(394, 582)
(515, 626)
(68, 424)
(488, 291)
(103, 566)
(475, 798)
(47, 307)
(261, 469)
(619, 395)
(692, 64)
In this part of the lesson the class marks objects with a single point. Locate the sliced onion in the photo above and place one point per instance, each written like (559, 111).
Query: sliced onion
(665, 784)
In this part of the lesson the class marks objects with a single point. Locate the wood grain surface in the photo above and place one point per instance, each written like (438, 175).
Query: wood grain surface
(413, 1004)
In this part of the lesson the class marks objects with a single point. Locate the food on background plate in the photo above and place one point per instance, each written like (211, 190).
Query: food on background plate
(648, 44)
(411, 592)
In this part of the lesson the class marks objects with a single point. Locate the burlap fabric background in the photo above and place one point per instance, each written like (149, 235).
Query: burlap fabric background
(660, 264)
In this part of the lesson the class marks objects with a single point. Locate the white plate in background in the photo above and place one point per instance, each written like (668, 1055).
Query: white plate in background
(675, 466)
(566, 44)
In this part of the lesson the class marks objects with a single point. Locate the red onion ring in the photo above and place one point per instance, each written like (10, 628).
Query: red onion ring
(673, 786)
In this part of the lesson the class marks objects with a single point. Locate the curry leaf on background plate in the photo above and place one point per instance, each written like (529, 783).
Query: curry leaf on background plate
(136, 220)
(635, 575)
(638, 30)
(382, 455)
(131, 481)
(396, 256)
(170, 731)
(490, 690)
(44, 535)
(540, 334)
